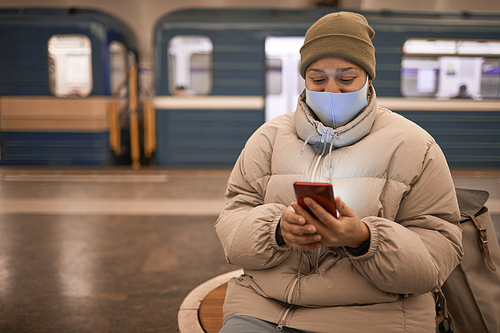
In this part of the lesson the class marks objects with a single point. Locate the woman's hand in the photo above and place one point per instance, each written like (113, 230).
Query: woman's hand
(302, 231)
(346, 230)
(295, 232)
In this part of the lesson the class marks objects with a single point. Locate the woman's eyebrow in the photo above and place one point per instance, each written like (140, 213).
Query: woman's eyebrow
(346, 69)
(315, 70)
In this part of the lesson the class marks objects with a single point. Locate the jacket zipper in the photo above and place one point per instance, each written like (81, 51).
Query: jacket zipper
(292, 288)
(316, 162)
(293, 283)
(281, 322)
(289, 297)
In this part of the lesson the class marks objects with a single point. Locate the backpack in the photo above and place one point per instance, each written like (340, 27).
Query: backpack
(470, 298)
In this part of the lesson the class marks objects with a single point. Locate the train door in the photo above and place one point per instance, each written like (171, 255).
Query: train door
(118, 82)
(283, 80)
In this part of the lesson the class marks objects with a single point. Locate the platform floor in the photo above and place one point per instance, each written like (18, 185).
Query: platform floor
(116, 250)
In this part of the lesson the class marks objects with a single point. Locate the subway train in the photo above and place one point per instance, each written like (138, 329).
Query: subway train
(67, 87)
(221, 73)
(69, 92)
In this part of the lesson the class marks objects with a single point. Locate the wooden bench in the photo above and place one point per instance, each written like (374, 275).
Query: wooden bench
(201, 310)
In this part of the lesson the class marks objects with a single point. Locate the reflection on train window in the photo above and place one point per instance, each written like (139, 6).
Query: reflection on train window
(190, 65)
(70, 65)
(449, 68)
(118, 67)
(273, 76)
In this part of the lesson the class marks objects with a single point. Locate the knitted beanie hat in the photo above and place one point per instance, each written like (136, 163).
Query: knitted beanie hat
(342, 34)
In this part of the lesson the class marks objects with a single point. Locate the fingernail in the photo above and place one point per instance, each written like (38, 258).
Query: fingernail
(317, 238)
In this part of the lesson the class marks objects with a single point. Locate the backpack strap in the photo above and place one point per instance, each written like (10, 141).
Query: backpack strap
(444, 326)
(483, 240)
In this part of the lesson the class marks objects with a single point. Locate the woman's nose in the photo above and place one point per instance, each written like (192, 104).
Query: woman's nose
(332, 86)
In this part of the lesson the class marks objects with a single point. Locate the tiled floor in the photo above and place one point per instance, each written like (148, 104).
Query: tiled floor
(115, 250)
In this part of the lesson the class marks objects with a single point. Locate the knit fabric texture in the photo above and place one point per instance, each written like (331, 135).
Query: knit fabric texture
(342, 34)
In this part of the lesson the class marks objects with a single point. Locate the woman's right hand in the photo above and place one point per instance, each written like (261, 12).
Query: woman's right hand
(296, 232)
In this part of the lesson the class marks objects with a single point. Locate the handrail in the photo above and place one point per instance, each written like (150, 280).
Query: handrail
(114, 127)
(149, 128)
(135, 153)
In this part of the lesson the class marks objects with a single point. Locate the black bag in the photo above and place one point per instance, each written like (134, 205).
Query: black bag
(470, 297)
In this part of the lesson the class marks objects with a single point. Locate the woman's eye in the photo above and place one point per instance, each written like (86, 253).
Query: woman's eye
(346, 81)
(318, 81)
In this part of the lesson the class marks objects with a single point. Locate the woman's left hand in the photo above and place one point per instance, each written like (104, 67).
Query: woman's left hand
(345, 230)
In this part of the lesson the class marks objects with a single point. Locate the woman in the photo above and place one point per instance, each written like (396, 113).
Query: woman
(377, 266)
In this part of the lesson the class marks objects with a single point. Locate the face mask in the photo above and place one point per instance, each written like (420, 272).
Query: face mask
(337, 109)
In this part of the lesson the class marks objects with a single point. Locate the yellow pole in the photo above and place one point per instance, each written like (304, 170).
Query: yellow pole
(149, 129)
(114, 127)
(134, 138)
(135, 152)
(147, 150)
(152, 120)
(133, 88)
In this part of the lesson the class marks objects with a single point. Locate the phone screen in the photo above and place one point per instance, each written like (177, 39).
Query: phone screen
(322, 193)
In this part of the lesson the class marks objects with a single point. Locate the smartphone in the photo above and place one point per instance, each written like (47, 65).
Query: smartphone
(322, 193)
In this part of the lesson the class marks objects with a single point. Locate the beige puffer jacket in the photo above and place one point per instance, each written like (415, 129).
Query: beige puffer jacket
(393, 174)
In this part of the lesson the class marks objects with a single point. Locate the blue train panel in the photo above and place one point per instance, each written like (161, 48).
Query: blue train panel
(467, 139)
(56, 149)
(203, 137)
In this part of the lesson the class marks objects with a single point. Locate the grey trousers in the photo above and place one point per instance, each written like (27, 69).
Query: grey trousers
(245, 324)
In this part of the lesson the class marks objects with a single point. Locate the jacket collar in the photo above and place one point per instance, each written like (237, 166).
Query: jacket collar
(320, 137)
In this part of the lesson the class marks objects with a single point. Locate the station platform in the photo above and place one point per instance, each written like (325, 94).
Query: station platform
(118, 250)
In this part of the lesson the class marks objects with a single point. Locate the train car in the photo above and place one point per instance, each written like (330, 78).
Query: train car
(64, 87)
(221, 73)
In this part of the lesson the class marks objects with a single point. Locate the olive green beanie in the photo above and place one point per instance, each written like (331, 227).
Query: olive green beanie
(341, 34)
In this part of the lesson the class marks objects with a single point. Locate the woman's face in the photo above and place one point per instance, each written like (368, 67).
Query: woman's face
(336, 75)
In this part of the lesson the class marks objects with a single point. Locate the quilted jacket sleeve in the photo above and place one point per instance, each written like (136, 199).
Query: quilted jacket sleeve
(247, 226)
(416, 253)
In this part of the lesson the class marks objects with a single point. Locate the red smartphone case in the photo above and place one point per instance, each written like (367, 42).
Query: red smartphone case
(322, 193)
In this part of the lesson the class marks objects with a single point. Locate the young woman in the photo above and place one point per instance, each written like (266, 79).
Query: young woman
(377, 266)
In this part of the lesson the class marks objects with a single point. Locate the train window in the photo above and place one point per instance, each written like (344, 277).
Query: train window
(419, 76)
(490, 78)
(273, 76)
(201, 73)
(449, 68)
(190, 65)
(70, 65)
(118, 67)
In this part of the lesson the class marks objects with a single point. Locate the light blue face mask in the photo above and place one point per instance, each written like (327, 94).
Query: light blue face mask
(337, 109)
